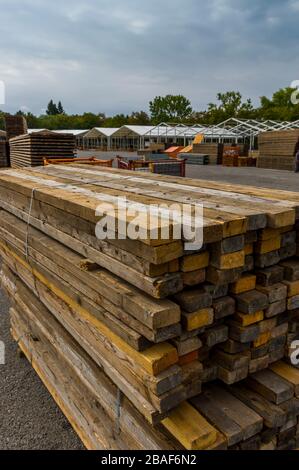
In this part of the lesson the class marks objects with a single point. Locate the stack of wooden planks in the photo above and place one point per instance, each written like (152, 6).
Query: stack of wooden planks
(260, 413)
(31, 149)
(231, 156)
(246, 161)
(15, 126)
(214, 151)
(276, 149)
(3, 154)
(145, 320)
(195, 158)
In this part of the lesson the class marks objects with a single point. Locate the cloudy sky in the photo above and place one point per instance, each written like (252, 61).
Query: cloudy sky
(115, 55)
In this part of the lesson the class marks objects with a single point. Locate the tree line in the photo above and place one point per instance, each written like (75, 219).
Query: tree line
(171, 109)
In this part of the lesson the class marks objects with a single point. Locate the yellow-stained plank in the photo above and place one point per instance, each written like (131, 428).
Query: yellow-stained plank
(198, 319)
(244, 284)
(287, 372)
(229, 260)
(267, 246)
(264, 338)
(269, 233)
(293, 287)
(159, 357)
(190, 428)
(195, 262)
(248, 249)
(249, 319)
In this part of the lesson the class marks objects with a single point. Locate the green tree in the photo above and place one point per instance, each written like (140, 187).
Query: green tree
(2, 120)
(60, 108)
(230, 105)
(140, 118)
(170, 108)
(52, 109)
(117, 121)
(280, 106)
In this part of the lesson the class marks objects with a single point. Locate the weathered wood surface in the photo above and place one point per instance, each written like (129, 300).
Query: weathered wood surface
(160, 321)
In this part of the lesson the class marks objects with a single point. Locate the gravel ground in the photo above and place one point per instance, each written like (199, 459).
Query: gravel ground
(29, 417)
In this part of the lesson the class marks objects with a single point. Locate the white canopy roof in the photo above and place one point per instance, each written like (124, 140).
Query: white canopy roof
(96, 132)
(233, 128)
(75, 132)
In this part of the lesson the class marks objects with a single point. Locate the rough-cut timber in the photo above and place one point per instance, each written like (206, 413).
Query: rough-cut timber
(31, 149)
(147, 323)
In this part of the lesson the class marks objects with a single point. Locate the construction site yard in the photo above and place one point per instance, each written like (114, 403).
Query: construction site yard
(32, 419)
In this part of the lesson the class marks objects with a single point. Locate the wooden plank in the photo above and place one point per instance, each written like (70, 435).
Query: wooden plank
(288, 373)
(198, 319)
(246, 283)
(190, 428)
(86, 371)
(273, 416)
(154, 313)
(271, 386)
(251, 302)
(248, 421)
(217, 416)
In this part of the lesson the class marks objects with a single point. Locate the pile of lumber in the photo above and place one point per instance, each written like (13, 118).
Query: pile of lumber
(195, 158)
(260, 413)
(140, 327)
(213, 150)
(15, 126)
(276, 149)
(231, 156)
(246, 161)
(3, 154)
(173, 168)
(31, 149)
(155, 157)
(219, 153)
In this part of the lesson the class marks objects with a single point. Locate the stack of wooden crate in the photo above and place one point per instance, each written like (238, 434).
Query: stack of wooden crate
(276, 149)
(14, 126)
(31, 149)
(138, 326)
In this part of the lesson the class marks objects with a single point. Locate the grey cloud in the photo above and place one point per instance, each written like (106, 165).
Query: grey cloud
(115, 55)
